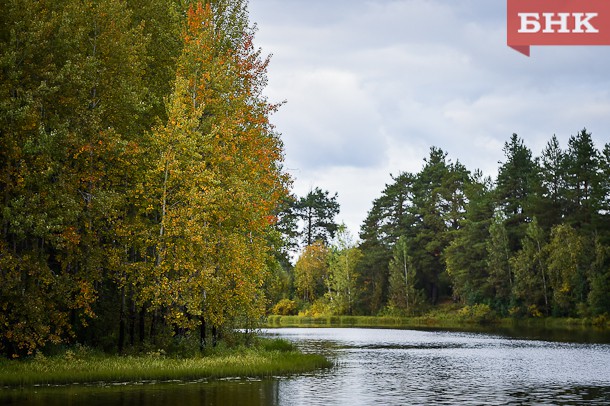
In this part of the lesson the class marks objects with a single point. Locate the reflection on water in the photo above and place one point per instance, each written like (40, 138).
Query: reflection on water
(419, 367)
(242, 392)
(389, 367)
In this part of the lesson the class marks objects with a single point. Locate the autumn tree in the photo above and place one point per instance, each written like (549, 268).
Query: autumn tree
(116, 204)
(342, 281)
(217, 180)
(72, 95)
(311, 272)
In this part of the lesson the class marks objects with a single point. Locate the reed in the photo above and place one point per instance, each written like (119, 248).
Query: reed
(267, 359)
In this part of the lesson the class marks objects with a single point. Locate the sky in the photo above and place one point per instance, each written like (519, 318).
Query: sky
(371, 86)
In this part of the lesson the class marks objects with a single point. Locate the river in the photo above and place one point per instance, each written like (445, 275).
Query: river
(385, 367)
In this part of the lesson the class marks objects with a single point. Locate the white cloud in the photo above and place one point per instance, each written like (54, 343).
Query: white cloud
(372, 85)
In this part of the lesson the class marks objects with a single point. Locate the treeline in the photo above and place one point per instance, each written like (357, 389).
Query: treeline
(536, 241)
(533, 242)
(139, 173)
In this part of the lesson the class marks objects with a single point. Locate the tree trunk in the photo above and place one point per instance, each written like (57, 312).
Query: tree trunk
(121, 342)
(153, 325)
(132, 320)
(142, 324)
(202, 333)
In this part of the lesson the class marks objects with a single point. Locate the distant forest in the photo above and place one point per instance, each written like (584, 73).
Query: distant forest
(533, 242)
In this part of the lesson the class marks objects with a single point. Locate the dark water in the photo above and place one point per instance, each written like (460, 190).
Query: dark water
(385, 367)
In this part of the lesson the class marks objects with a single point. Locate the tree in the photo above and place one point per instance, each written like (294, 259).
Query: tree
(403, 294)
(317, 211)
(583, 187)
(599, 280)
(342, 279)
(311, 272)
(501, 278)
(390, 216)
(72, 95)
(438, 208)
(531, 284)
(553, 180)
(466, 256)
(604, 210)
(567, 275)
(235, 189)
(516, 188)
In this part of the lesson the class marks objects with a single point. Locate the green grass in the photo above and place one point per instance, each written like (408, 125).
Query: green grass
(271, 358)
(440, 318)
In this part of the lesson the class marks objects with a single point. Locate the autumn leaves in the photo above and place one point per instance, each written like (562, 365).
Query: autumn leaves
(158, 214)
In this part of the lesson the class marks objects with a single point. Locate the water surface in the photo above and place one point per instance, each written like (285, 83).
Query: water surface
(384, 366)
(427, 367)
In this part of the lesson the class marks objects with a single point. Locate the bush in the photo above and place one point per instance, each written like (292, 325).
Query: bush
(285, 307)
(478, 313)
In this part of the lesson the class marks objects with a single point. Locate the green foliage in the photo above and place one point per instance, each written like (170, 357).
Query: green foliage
(311, 271)
(317, 211)
(478, 313)
(285, 307)
(501, 278)
(404, 297)
(139, 172)
(467, 256)
(343, 291)
(269, 358)
(534, 243)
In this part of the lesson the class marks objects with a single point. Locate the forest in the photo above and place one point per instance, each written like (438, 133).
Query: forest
(533, 242)
(140, 176)
(143, 198)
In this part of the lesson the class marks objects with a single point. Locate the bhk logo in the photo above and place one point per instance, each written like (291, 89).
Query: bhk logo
(557, 22)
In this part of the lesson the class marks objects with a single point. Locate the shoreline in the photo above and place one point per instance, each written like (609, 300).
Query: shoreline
(554, 329)
(85, 366)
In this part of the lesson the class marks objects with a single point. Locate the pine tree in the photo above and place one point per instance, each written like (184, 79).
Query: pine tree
(517, 185)
(466, 256)
(583, 183)
(317, 211)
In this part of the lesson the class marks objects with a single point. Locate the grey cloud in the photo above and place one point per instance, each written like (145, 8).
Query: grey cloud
(371, 85)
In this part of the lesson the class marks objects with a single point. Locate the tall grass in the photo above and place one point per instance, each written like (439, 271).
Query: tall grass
(268, 359)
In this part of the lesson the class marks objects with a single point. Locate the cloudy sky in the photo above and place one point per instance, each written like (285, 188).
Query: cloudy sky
(372, 85)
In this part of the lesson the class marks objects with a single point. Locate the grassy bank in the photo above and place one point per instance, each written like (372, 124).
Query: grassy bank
(270, 358)
(437, 319)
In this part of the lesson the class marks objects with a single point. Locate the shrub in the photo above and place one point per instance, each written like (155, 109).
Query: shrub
(285, 307)
(478, 313)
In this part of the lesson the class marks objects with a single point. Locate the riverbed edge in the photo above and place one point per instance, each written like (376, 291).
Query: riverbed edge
(80, 366)
(431, 321)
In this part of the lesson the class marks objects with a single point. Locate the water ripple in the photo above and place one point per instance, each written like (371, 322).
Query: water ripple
(397, 367)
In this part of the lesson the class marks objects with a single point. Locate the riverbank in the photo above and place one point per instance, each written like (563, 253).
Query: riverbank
(82, 365)
(435, 320)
